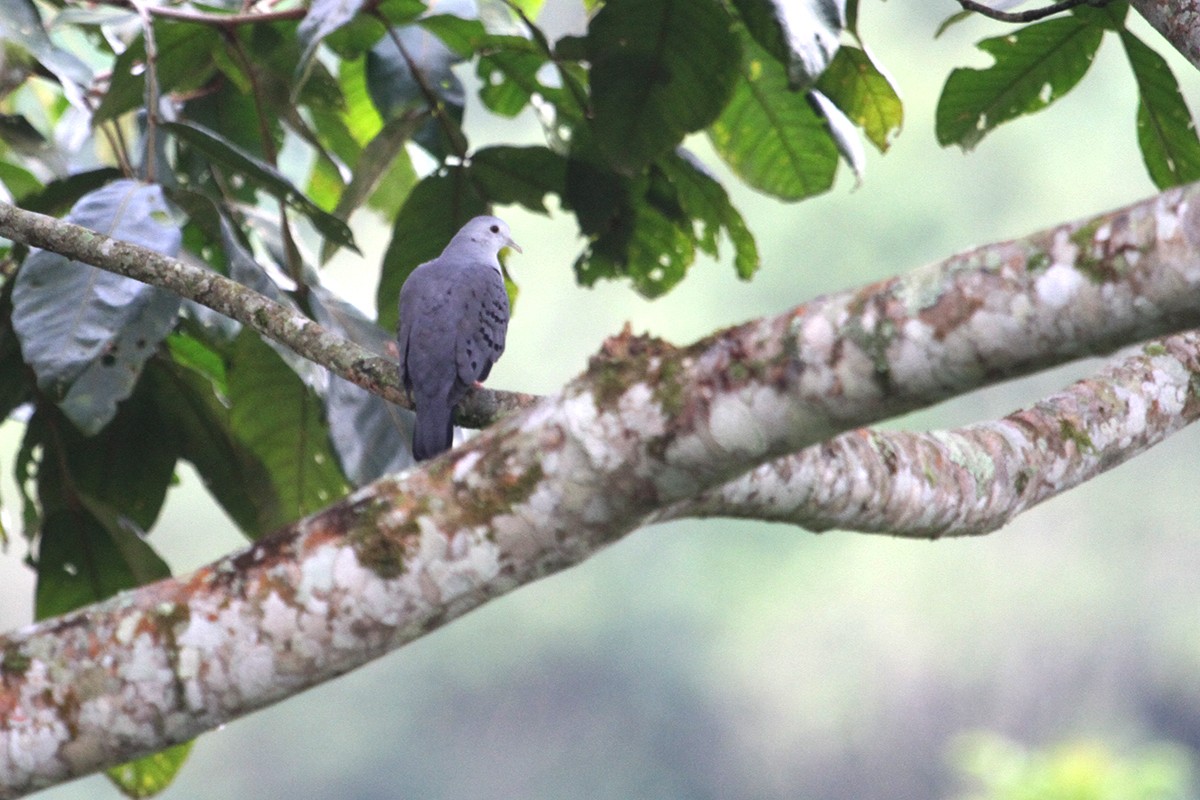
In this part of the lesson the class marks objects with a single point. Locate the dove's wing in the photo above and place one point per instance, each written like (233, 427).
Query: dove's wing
(483, 325)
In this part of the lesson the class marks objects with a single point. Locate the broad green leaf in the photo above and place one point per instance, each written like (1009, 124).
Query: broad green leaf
(801, 34)
(280, 421)
(660, 70)
(86, 332)
(84, 556)
(525, 175)
(771, 136)
(183, 61)
(704, 199)
(263, 176)
(18, 181)
(1165, 128)
(60, 194)
(15, 386)
(1034, 66)
(187, 391)
(370, 435)
(855, 84)
(509, 74)
(151, 774)
(655, 257)
(435, 210)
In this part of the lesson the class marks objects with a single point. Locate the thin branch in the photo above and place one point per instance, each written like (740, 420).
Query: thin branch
(1032, 15)
(976, 479)
(284, 325)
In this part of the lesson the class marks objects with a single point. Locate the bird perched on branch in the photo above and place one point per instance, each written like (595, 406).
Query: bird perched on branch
(453, 318)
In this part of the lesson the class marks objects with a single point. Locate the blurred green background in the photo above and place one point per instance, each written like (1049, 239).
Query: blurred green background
(740, 660)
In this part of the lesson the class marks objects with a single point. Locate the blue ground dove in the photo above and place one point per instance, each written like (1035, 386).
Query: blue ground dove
(453, 318)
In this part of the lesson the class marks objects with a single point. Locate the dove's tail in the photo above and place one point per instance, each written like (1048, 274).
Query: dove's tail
(433, 431)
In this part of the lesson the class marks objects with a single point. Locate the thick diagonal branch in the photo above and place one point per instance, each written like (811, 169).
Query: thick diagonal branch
(976, 479)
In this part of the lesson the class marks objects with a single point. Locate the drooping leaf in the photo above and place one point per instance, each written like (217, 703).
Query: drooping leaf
(655, 256)
(150, 775)
(660, 69)
(855, 84)
(704, 199)
(377, 161)
(1165, 128)
(18, 181)
(370, 435)
(187, 391)
(801, 34)
(263, 176)
(280, 421)
(183, 61)
(771, 136)
(435, 210)
(1034, 66)
(85, 332)
(60, 194)
(525, 175)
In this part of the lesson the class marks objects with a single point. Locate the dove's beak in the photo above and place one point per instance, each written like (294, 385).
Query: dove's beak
(514, 246)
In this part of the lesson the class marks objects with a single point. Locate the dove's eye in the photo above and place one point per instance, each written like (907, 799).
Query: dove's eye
(495, 229)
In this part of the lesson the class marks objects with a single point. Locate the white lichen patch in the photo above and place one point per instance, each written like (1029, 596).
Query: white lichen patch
(641, 412)
(279, 620)
(1059, 285)
(316, 575)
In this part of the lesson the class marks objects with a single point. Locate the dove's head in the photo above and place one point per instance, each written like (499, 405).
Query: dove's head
(489, 234)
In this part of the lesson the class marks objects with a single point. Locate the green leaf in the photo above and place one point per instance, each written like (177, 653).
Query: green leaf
(801, 34)
(187, 391)
(435, 210)
(280, 421)
(771, 136)
(86, 332)
(1165, 128)
(856, 85)
(60, 194)
(183, 61)
(18, 181)
(523, 175)
(1035, 66)
(151, 774)
(703, 198)
(655, 257)
(508, 71)
(660, 69)
(263, 176)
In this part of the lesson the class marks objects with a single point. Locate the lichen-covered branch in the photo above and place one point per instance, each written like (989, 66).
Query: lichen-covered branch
(274, 320)
(646, 427)
(976, 479)
(1178, 21)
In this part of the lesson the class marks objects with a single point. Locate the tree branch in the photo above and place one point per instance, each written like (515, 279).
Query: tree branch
(1178, 21)
(976, 479)
(646, 427)
(274, 320)
(1032, 15)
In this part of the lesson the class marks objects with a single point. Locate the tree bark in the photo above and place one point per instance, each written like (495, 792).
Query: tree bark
(647, 427)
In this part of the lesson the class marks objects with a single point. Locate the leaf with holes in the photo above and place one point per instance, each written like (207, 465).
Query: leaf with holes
(86, 332)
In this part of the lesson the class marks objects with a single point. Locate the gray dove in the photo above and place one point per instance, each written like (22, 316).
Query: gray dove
(453, 318)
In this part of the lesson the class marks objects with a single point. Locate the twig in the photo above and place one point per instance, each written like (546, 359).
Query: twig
(288, 327)
(1032, 15)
